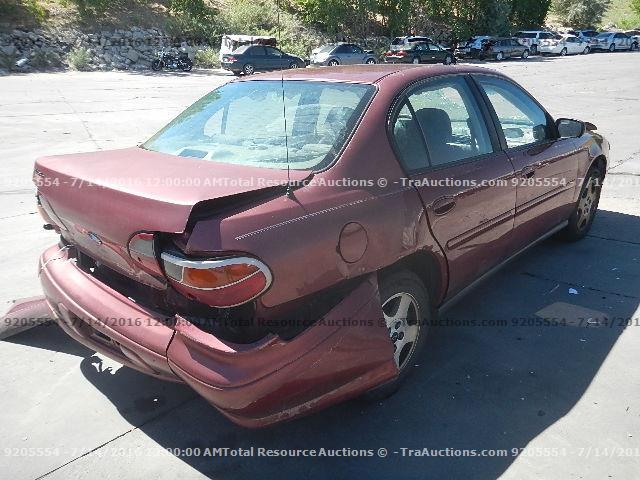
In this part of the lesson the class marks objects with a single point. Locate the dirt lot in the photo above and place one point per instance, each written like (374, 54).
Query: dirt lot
(567, 395)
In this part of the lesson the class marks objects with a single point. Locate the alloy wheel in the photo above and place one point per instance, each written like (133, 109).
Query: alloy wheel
(563, 52)
(587, 203)
(401, 315)
(415, 61)
(248, 69)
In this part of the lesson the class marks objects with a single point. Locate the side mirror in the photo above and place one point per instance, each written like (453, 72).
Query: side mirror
(569, 128)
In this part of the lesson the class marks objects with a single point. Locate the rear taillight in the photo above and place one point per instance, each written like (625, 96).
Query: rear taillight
(225, 282)
(143, 251)
(230, 59)
(401, 53)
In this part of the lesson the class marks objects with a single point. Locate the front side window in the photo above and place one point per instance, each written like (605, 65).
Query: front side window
(244, 123)
(522, 120)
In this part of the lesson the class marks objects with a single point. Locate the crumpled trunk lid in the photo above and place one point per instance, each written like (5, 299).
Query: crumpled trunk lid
(103, 198)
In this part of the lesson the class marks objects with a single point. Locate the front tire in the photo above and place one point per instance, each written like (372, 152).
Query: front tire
(333, 63)
(534, 49)
(157, 65)
(499, 56)
(448, 60)
(407, 312)
(416, 60)
(586, 51)
(612, 47)
(525, 54)
(586, 207)
(563, 52)
(370, 61)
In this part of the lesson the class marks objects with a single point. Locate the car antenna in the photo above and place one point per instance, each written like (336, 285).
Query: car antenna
(289, 192)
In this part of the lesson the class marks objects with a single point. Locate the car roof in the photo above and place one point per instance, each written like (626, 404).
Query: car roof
(365, 73)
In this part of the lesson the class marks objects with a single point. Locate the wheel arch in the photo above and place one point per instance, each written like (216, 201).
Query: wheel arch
(427, 267)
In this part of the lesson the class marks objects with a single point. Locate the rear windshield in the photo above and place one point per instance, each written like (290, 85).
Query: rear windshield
(242, 49)
(244, 123)
(603, 34)
(589, 34)
(525, 35)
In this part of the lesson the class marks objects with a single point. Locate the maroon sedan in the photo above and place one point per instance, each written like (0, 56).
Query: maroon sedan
(286, 242)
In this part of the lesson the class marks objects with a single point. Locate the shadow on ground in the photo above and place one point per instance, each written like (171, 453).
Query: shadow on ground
(494, 375)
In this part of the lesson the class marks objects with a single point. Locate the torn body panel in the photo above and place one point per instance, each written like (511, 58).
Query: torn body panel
(345, 353)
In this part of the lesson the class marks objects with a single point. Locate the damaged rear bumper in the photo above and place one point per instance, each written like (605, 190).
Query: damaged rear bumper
(342, 355)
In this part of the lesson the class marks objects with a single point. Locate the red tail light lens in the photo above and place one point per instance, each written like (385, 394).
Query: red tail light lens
(230, 59)
(226, 282)
(402, 53)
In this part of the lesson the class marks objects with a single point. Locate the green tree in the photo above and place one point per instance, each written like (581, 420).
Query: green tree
(635, 6)
(580, 13)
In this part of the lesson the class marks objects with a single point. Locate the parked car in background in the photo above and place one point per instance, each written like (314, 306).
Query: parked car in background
(503, 48)
(531, 39)
(564, 45)
(341, 54)
(472, 47)
(635, 38)
(423, 52)
(255, 58)
(612, 41)
(586, 35)
(274, 296)
(403, 43)
(229, 43)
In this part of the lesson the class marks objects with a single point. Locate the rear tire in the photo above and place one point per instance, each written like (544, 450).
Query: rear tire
(408, 313)
(586, 51)
(448, 60)
(333, 63)
(370, 61)
(157, 65)
(563, 52)
(586, 207)
(534, 49)
(525, 54)
(612, 47)
(249, 69)
(416, 60)
(499, 56)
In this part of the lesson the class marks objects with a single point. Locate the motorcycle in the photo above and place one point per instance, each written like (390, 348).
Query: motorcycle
(181, 61)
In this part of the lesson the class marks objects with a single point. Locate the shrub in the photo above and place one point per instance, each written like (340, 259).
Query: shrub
(79, 58)
(207, 58)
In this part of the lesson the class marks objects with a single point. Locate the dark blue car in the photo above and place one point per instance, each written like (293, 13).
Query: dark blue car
(249, 59)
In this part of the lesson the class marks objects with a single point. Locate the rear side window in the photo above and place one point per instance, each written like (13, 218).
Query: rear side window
(409, 141)
(444, 116)
(256, 51)
(523, 122)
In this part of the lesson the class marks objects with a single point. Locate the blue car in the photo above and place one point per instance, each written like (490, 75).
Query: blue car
(249, 59)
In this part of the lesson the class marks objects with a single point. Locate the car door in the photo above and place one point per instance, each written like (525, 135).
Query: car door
(453, 158)
(256, 55)
(622, 41)
(546, 165)
(436, 53)
(342, 53)
(357, 55)
(275, 60)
